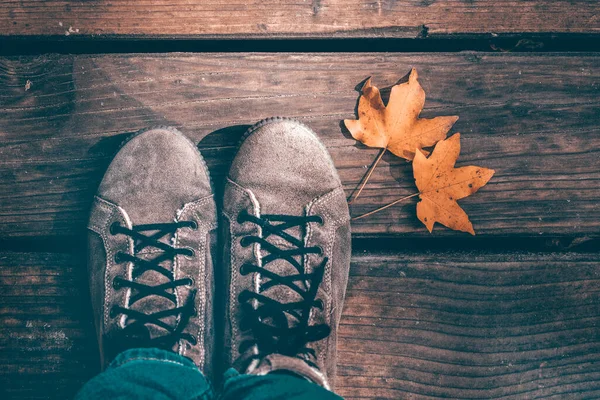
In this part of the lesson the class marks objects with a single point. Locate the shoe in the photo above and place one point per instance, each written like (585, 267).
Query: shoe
(286, 255)
(152, 235)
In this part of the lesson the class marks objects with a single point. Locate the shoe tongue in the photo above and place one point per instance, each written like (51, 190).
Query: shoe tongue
(151, 304)
(277, 291)
(167, 238)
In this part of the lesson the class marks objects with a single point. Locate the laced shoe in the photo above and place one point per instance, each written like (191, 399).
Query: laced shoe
(286, 255)
(152, 233)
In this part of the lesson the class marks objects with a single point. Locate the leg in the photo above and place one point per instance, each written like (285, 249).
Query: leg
(274, 386)
(148, 374)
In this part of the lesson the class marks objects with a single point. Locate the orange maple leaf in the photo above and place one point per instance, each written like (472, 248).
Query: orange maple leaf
(397, 127)
(441, 185)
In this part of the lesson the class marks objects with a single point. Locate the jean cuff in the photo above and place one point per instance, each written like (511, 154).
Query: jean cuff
(150, 354)
(231, 373)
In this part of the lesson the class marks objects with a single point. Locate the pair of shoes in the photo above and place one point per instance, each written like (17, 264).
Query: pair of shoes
(284, 240)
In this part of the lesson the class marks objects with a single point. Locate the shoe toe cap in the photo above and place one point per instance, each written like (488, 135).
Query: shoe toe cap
(155, 174)
(285, 165)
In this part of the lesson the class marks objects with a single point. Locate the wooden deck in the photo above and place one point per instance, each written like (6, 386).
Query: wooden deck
(293, 18)
(511, 313)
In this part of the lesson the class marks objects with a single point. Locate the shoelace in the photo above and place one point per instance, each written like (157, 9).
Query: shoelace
(279, 337)
(137, 331)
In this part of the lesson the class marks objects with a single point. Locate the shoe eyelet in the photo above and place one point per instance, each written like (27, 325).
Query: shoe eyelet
(244, 296)
(321, 251)
(113, 228)
(319, 304)
(116, 283)
(193, 340)
(193, 225)
(190, 282)
(241, 218)
(246, 241)
(244, 269)
(321, 221)
(189, 252)
(113, 312)
(117, 258)
(243, 325)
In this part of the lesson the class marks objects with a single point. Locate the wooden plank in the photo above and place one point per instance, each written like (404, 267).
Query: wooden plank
(534, 118)
(471, 325)
(47, 339)
(296, 19)
(445, 325)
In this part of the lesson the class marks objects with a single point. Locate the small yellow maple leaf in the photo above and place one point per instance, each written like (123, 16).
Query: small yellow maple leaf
(397, 127)
(441, 185)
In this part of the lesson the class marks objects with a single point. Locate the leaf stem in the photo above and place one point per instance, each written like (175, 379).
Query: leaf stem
(386, 206)
(368, 175)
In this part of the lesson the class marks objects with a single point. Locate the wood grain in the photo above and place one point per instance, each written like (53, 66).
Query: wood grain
(47, 339)
(471, 325)
(434, 325)
(534, 118)
(296, 19)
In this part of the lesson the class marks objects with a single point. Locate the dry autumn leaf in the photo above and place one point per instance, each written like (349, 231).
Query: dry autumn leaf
(397, 127)
(441, 185)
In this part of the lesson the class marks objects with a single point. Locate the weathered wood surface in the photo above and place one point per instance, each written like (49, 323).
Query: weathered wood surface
(287, 18)
(534, 118)
(446, 325)
(47, 339)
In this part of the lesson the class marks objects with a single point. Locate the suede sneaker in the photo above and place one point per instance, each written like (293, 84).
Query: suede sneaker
(286, 255)
(151, 242)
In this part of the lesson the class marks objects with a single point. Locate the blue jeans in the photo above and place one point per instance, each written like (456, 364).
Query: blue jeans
(159, 374)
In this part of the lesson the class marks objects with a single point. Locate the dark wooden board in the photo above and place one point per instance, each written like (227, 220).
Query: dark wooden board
(534, 118)
(47, 339)
(310, 18)
(446, 325)
(471, 325)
